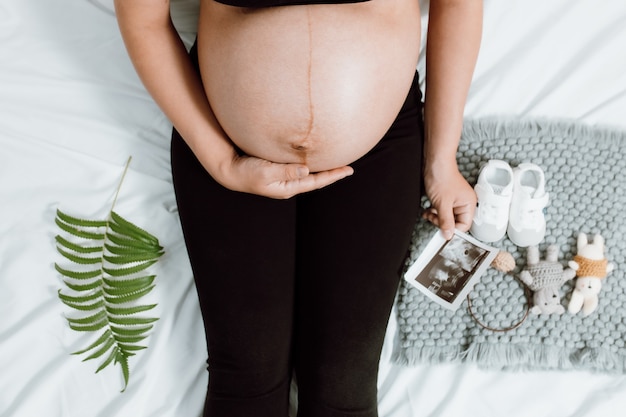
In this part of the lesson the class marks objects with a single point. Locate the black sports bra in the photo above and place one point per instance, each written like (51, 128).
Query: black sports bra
(272, 3)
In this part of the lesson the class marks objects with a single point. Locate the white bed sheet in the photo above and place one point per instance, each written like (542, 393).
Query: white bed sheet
(71, 112)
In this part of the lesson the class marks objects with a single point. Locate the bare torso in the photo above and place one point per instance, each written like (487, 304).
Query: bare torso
(315, 84)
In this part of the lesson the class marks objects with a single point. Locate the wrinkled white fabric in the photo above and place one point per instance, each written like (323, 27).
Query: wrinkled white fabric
(71, 112)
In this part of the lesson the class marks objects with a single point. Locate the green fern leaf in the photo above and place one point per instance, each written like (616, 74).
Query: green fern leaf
(130, 258)
(129, 229)
(105, 336)
(120, 292)
(84, 307)
(125, 286)
(108, 360)
(75, 221)
(117, 249)
(81, 298)
(78, 232)
(82, 260)
(122, 272)
(105, 348)
(126, 311)
(104, 283)
(90, 327)
(131, 321)
(78, 275)
(126, 347)
(130, 331)
(130, 339)
(125, 298)
(122, 359)
(96, 318)
(77, 248)
(134, 244)
(82, 287)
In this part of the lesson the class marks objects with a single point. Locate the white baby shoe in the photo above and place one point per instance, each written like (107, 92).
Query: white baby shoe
(527, 223)
(494, 190)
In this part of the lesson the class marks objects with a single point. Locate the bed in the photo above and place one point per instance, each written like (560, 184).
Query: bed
(72, 112)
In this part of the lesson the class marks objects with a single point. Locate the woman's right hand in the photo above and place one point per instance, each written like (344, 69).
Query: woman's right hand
(275, 180)
(163, 64)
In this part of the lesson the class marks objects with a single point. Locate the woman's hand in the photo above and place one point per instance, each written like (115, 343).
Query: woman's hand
(453, 201)
(275, 180)
(454, 33)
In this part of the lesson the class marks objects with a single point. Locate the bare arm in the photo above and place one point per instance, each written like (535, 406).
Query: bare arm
(164, 67)
(454, 34)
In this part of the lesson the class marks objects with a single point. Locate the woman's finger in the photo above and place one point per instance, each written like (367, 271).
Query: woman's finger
(286, 187)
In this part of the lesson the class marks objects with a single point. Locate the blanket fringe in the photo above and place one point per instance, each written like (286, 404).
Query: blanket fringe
(430, 354)
(515, 357)
(490, 127)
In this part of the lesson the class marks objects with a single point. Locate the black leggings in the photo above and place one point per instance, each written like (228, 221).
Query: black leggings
(305, 284)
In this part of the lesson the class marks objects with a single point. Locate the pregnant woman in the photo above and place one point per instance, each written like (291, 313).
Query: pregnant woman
(299, 155)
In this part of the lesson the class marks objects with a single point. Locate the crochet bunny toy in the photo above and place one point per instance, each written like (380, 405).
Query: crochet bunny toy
(591, 268)
(545, 279)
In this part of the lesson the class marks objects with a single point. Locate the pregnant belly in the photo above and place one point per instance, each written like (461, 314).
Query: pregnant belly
(314, 84)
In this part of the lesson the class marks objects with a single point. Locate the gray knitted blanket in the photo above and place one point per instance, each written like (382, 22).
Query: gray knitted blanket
(585, 171)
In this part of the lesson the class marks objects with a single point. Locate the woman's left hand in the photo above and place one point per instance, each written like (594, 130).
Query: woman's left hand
(453, 200)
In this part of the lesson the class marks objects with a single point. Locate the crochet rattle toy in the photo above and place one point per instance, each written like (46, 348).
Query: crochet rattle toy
(545, 279)
(591, 268)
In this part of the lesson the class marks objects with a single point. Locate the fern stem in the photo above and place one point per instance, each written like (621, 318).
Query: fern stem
(119, 186)
(108, 228)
